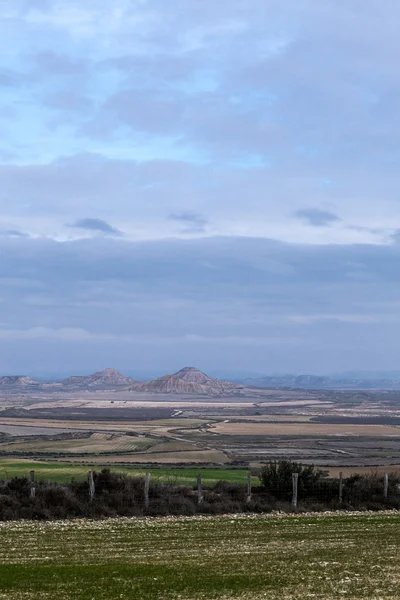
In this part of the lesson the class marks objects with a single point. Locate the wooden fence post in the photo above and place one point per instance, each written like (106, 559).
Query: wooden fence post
(249, 486)
(32, 485)
(200, 497)
(146, 491)
(92, 487)
(295, 480)
(385, 485)
(340, 488)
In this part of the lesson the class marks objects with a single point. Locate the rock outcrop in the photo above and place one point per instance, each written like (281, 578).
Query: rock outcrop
(189, 381)
(18, 381)
(107, 379)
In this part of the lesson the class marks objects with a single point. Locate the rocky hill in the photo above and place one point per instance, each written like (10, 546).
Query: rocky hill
(18, 381)
(107, 379)
(189, 381)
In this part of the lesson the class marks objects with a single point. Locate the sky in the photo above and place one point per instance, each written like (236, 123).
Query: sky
(201, 183)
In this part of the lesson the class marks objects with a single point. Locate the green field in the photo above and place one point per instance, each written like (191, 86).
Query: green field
(227, 558)
(63, 472)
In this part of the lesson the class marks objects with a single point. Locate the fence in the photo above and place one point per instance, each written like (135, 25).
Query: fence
(353, 492)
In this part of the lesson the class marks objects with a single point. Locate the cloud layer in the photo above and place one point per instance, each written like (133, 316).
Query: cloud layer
(195, 178)
(225, 303)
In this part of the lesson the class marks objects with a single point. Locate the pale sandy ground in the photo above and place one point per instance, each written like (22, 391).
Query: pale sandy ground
(266, 418)
(36, 429)
(174, 404)
(340, 429)
(348, 471)
(47, 425)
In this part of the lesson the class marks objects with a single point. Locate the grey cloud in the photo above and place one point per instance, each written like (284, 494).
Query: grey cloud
(225, 82)
(155, 111)
(58, 64)
(237, 195)
(308, 300)
(68, 101)
(9, 78)
(374, 230)
(95, 225)
(193, 222)
(141, 70)
(317, 217)
(29, 5)
(279, 101)
(14, 233)
(86, 181)
(263, 99)
(305, 303)
(250, 268)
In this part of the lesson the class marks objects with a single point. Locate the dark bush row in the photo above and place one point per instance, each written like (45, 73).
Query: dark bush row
(358, 491)
(120, 495)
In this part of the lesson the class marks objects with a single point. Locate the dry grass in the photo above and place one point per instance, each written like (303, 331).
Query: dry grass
(158, 426)
(268, 418)
(164, 458)
(348, 471)
(174, 403)
(17, 429)
(304, 429)
(288, 403)
(173, 447)
(91, 445)
(177, 404)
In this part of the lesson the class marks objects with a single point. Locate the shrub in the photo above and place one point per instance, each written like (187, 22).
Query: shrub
(121, 495)
(276, 479)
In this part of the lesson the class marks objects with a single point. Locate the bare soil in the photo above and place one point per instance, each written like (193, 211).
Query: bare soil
(335, 429)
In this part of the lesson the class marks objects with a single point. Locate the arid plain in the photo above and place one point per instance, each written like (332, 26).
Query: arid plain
(348, 430)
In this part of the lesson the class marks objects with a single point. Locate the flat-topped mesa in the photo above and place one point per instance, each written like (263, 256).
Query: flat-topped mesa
(102, 379)
(189, 381)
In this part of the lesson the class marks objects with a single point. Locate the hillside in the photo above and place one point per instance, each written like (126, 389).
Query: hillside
(109, 378)
(189, 381)
(19, 381)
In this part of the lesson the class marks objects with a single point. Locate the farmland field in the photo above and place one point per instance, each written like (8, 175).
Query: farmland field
(305, 429)
(337, 429)
(229, 558)
(62, 472)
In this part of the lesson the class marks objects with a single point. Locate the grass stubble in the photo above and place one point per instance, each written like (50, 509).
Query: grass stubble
(322, 556)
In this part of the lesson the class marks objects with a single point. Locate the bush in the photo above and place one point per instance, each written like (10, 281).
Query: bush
(276, 479)
(367, 491)
(235, 491)
(119, 495)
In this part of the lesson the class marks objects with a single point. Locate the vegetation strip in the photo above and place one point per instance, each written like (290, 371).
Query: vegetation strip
(285, 486)
(63, 472)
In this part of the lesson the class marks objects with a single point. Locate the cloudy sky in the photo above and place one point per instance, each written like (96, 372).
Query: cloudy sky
(201, 183)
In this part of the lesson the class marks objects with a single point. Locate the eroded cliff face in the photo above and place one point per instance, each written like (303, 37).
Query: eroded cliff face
(189, 381)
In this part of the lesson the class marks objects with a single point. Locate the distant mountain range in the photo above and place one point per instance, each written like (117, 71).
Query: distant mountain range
(107, 379)
(320, 382)
(186, 381)
(189, 381)
(13, 381)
